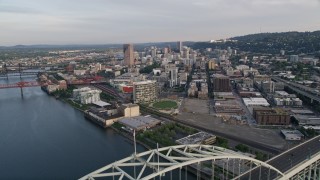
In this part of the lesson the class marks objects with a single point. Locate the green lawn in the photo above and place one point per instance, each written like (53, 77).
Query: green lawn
(165, 104)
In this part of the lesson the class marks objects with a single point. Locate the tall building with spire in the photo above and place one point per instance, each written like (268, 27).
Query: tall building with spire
(128, 55)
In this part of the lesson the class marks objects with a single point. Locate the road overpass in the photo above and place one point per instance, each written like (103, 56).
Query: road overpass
(289, 161)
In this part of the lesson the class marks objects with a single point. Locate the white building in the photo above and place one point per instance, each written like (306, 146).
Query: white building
(255, 102)
(294, 58)
(86, 95)
(173, 76)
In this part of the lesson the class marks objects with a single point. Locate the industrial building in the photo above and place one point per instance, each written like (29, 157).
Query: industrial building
(139, 123)
(145, 91)
(307, 120)
(252, 101)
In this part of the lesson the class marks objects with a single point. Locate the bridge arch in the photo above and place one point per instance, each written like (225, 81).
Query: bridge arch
(175, 158)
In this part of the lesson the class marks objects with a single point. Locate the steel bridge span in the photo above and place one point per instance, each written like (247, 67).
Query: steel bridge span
(204, 161)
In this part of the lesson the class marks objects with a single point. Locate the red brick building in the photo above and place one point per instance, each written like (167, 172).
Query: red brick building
(269, 116)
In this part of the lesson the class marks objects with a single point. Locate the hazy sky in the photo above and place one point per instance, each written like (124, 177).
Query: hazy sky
(120, 21)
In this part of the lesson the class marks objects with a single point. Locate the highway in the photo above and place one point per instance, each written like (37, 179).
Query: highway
(301, 89)
(287, 160)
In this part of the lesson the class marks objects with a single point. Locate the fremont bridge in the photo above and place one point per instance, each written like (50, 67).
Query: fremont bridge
(212, 162)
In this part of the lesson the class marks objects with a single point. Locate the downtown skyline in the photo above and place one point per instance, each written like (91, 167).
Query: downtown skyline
(105, 22)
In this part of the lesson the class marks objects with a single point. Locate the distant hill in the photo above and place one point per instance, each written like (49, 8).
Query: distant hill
(291, 42)
(137, 46)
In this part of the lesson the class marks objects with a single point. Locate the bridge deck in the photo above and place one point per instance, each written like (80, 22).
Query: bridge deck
(287, 160)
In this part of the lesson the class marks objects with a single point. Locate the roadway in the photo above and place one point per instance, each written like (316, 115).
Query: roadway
(297, 85)
(301, 89)
(288, 159)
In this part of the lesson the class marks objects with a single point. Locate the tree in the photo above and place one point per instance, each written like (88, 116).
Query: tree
(242, 148)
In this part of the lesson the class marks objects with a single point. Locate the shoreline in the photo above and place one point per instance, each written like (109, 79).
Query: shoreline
(111, 127)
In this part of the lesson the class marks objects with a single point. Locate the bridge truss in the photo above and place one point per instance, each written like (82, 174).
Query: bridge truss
(205, 161)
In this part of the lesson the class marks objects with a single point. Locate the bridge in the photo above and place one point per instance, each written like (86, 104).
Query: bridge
(21, 85)
(300, 89)
(212, 162)
(26, 84)
(20, 69)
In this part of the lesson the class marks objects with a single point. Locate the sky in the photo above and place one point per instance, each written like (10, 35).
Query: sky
(133, 21)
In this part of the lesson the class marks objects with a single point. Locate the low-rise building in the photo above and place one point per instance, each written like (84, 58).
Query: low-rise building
(292, 135)
(139, 123)
(130, 110)
(86, 95)
(270, 86)
(252, 101)
(223, 96)
(203, 93)
(230, 107)
(269, 116)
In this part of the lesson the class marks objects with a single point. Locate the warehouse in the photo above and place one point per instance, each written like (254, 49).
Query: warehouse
(292, 135)
(139, 123)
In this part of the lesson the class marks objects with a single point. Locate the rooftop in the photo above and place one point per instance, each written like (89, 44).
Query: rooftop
(101, 103)
(195, 138)
(292, 134)
(139, 122)
(144, 82)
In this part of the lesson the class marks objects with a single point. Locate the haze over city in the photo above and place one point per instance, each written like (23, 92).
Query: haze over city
(102, 22)
(170, 89)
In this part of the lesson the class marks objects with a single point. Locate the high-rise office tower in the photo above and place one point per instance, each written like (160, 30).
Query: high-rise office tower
(128, 55)
(153, 51)
(173, 76)
(179, 46)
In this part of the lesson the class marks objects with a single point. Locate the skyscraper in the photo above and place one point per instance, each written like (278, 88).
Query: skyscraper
(173, 72)
(179, 46)
(128, 55)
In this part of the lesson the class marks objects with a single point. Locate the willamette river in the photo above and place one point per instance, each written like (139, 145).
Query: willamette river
(43, 138)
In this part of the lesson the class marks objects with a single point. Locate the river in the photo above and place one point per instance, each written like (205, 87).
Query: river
(44, 138)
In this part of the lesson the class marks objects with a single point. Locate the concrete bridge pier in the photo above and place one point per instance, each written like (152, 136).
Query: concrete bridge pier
(21, 91)
(20, 70)
(5, 70)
